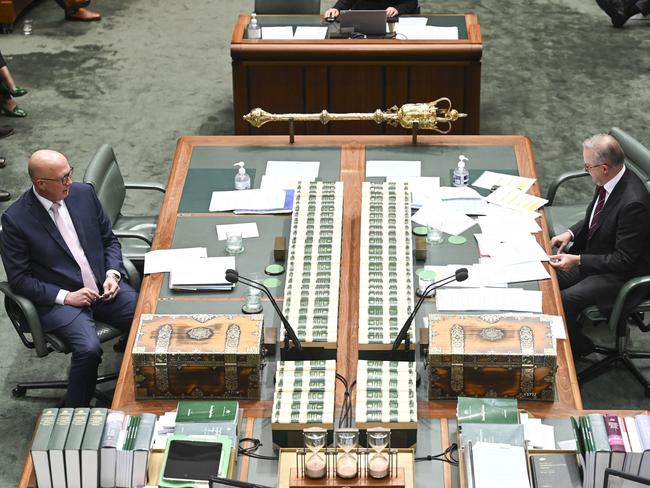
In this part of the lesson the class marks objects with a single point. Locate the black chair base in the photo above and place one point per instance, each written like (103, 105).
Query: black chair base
(20, 390)
(615, 358)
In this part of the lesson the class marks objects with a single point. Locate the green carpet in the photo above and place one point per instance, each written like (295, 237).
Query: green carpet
(153, 70)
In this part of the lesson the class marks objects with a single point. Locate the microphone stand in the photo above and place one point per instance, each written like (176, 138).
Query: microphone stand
(403, 333)
(289, 334)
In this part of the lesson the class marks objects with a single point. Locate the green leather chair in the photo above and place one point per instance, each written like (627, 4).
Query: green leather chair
(135, 232)
(559, 218)
(25, 320)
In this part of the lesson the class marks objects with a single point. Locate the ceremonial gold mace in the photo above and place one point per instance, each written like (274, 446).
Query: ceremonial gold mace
(410, 116)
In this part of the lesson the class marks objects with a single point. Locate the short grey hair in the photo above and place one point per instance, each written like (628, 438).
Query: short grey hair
(606, 149)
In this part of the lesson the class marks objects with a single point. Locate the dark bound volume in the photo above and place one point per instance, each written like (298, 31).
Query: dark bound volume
(555, 470)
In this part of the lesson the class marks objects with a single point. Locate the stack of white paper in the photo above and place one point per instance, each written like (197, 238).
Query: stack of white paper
(516, 199)
(431, 32)
(511, 248)
(499, 465)
(201, 274)
(310, 32)
(248, 229)
(490, 180)
(422, 187)
(515, 299)
(393, 168)
(280, 32)
(225, 201)
(162, 260)
(450, 221)
(461, 199)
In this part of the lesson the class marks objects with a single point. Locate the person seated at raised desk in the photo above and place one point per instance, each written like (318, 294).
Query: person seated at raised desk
(392, 7)
(59, 251)
(610, 245)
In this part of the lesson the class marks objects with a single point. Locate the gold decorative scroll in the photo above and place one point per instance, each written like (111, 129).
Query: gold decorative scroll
(437, 115)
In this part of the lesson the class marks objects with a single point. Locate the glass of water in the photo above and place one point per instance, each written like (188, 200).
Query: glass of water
(434, 234)
(253, 298)
(28, 27)
(234, 242)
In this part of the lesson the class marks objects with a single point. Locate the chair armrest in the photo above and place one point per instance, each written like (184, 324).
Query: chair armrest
(30, 316)
(616, 317)
(555, 184)
(132, 234)
(139, 185)
(131, 273)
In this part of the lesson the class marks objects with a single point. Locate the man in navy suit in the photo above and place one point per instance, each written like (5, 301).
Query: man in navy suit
(610, 245)
(59, 251)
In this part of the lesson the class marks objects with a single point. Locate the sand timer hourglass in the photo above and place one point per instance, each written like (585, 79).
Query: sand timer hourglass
(378, 444)
(346, 462)
(315, 439)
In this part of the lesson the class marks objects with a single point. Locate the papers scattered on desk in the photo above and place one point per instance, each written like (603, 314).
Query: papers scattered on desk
(411, 32)
(412, 21)
(280, 32)
(252, 201)
(510, 248)
(448, 221)
(248, 229)
(421, 187)
(393, 168)
(300, 170)
(201, 274)
(473, 299)
(461, 199)
(490, 179)
(499, 224)
(162, 260)
(516, 199)
(310, 32)
(478, 275)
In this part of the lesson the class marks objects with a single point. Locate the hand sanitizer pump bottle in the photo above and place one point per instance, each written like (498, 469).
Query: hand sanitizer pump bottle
(254, 31)
(242, 180)
(461, 175)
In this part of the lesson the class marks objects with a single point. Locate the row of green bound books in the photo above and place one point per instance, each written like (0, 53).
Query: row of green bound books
(91, 448)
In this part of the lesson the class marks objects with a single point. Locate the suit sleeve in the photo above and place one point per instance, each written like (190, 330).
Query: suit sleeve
(112, 247)
(17, 262)
(344, 4)
(630, 246)
(406, 7)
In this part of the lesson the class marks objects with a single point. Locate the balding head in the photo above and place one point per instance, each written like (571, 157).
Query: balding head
(50, 172)
(605, 150)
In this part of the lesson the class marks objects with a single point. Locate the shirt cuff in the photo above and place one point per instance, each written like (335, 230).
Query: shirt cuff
(60, 297)
(570, 232)
(115, 273)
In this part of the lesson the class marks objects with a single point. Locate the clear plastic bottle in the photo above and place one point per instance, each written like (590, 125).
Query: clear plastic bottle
(242, 180)
(461, 175)
(254, 31)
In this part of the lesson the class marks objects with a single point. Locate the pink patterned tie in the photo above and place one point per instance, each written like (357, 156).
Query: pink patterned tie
(75, 249)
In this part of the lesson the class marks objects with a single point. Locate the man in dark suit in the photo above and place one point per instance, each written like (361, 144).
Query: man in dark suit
(392, 7)
(610, 245)
(59, 251)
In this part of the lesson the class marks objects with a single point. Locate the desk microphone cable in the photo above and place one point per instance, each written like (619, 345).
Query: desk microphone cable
(250, 450)
(446, 456)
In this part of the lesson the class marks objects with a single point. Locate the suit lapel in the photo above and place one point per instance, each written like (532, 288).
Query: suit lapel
(40, 214)
(612, 201)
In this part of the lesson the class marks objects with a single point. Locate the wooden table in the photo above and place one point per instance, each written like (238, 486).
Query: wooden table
(354, 75)
(352, 172)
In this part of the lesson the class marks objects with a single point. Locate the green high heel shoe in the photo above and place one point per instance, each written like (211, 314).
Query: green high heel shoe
(16, 112)
(16, 92)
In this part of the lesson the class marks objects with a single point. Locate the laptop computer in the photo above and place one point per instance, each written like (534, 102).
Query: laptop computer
(368, 22)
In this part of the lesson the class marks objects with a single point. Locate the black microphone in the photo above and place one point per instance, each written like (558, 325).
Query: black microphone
(461, 274)
(232, 276)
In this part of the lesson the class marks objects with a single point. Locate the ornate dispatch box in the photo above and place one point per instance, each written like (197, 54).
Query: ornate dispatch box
(198, 356)
(497, 355)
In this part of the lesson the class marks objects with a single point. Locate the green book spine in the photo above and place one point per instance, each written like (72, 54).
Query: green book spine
(206, 411)
(44, 429)
(77, 428)
(142, 440)
(94, 429)
(135, 425)
(61, 428)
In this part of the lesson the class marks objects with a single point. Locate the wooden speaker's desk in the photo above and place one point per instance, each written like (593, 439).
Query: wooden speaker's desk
(354, 75)
(204, 164)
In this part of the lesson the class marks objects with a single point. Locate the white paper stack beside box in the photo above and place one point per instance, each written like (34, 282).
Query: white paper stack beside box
(387, 397)
(304, 397)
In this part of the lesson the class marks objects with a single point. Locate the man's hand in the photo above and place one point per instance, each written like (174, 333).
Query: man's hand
(391, 12)
(331, 12)
(111, 288)
(84, 297)
(565, 262)
(561, 241)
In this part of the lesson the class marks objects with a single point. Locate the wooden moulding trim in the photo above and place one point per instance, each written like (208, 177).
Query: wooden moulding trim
(245, 460)
(445, 441)
(352, 175)
(335, 50)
